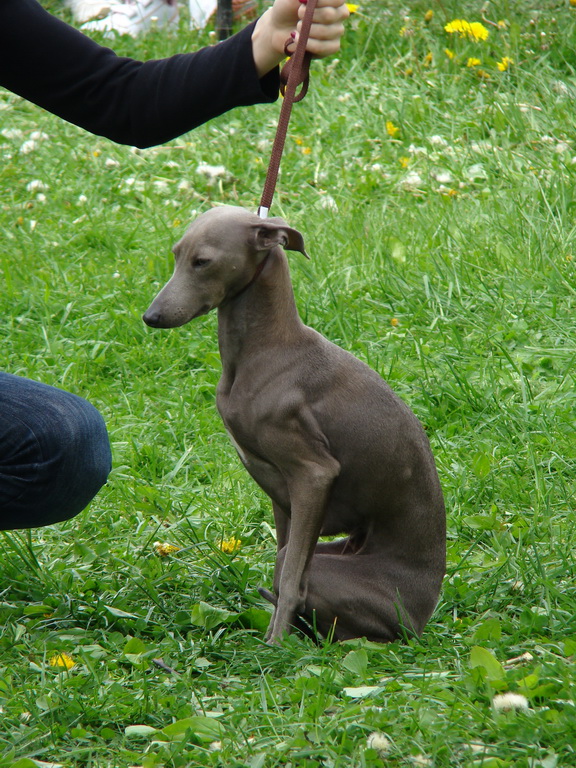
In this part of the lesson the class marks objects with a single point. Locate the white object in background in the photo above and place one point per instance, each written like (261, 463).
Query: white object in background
(131, 18)
(201, 11)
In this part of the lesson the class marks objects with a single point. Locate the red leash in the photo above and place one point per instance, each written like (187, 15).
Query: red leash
(295, 72)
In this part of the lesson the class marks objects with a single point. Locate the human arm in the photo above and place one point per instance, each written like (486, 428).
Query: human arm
(62, 70)
(131, 102)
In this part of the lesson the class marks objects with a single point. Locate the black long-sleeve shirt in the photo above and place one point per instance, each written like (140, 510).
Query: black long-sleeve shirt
(62, 70)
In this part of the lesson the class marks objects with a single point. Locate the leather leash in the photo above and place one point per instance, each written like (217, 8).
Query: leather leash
(294, 73)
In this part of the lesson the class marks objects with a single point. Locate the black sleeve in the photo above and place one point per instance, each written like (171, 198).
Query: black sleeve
(62, 70)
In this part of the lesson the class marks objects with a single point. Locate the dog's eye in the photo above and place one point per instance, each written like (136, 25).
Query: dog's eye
(198, 263)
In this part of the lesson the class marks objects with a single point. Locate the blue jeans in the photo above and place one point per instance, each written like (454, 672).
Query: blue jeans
(54, 453)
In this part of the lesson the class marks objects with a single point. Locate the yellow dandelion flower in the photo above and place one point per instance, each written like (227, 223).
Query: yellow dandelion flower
(352, 8)
(394, 321)
(391, 129)
(573, 3)
(428, 59)
(502, 24)
(306, 150)
(472, 62)
(472, 30)
(428, 16)
(299, 141)
(482, 74)
(97, 153)
(231, 545)
(165, 549)
(62, 660)
(404, 162)
(504, 65)
(449, 53)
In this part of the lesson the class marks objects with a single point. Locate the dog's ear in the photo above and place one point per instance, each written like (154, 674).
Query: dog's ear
(275, 231)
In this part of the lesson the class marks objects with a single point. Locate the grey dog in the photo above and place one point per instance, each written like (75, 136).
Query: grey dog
(323, 434)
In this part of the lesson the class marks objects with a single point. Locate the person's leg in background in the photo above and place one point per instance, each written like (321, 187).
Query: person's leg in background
(54, 453)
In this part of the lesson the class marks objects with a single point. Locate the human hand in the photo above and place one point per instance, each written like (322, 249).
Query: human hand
(283, 19)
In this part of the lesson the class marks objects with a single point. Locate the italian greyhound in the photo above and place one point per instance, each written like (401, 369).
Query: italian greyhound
(320, 432)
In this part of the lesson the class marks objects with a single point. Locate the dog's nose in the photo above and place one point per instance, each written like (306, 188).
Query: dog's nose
(152, 318)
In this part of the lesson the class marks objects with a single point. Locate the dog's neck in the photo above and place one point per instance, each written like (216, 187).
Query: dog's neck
(263, 314)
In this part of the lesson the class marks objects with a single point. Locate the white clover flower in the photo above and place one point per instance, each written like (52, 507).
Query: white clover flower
(41, 197)
(414, 150)
(161, 185)
(135, 183)
(559, 86)
(28, 146)
(213, 172)
(380, 742)
(36, 185)
(421, 760)
(184, 185)
(412, 179)
(442, 177)
(561, 147)
(476, 171)
(507, 702)
(438, 141)
(82, 199)
(215, 746)
(328, 202)
(39, 136)
(11, 133)
(111, 163)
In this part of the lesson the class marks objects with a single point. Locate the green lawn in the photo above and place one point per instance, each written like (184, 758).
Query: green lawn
(438, 204)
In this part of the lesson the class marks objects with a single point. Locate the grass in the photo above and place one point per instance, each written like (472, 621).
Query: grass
(443, 255)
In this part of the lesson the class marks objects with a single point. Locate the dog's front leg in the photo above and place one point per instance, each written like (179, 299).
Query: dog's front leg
(309, 485)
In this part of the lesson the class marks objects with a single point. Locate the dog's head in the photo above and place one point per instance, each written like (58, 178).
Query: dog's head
(219, 255)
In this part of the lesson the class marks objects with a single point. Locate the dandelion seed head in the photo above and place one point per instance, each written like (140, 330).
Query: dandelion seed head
(507, 702)
(380, 742)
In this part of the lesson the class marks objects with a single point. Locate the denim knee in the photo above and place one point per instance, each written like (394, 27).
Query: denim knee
(54, 453)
